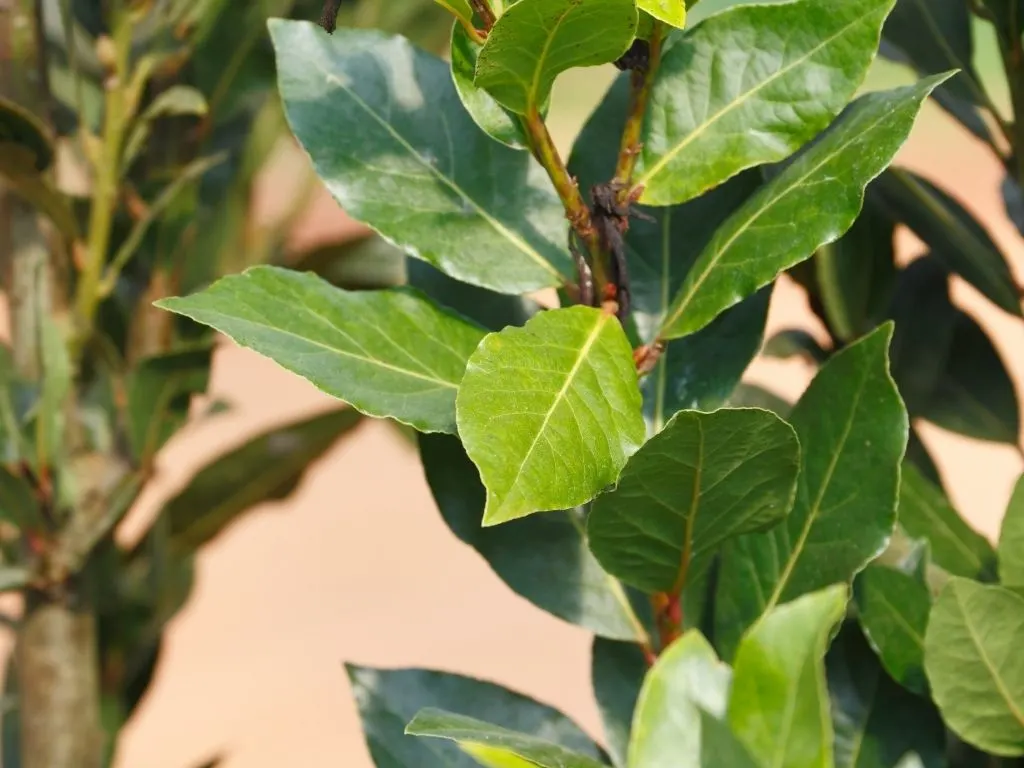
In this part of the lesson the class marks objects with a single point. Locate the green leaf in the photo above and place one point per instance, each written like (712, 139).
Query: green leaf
(475, 736)
(57, 381)
(388, 699)
(701, 127)
(778, 705)
(387, 353)
(671, 12)
(753, 396)
(18, 170)
(18, 505)
(366, 263)
(550, 412)
(459, 8)
(534, 41)
(808, 204)
(391, 140)
(877, 723)
(617, 672)
(926, 513)
(21, 128)
(954, 235)
(893, 610)
(177, 100)
(972, 656)
(704, 479)
(1011, 540)
(795, 342)
(266, 468)
(845, 508)
(543, 558)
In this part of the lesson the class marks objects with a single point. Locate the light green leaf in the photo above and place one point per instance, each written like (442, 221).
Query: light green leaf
(388, 699)
(714, 107)
(973, 660)
(534, 41)
(1011, 540)
(617, 672)
(704, 479)
(669, 11)
(459, 8)
(476, 736)
(853, 431)
(389, 137)
(808, 204)
(387, 353)
(550, 412)
(779, 703)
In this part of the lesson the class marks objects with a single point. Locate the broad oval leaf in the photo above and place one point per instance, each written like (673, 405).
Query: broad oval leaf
(387, 353)
(810, 203)
(779, 700)
(671, 12)
(534, 41)
(893, 609)
(617, 672)
(494, 743)
(550, 412)
(543, 558)
(704, 479)
(845, 508)
(714, 109)
(388, 699)
(1011, 540)
(973, 660)
(391, 140)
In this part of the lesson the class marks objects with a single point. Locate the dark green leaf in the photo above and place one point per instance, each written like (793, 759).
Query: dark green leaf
(893, 610)
(795, 343)
(926, 513)
(20, 127)
(702, 128)
(267, 467)
(18, 505)
(808, 204)
(534, 41)
(394, 145)
(388, 699)
(550, 412)
(778, 693)
(490, 743)
(617, 673)
(918, 455)
(544, 558)
(18, 170)
(1011, 540)
(845, 508)
(972, 656)
(704, 479)
(877, 723)
(387, 353)
(365, 264)
(753, 396)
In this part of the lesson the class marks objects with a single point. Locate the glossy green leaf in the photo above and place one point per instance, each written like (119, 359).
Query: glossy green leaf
(671, 12)
(893, 609)
(534, 41)
(778, 705)
(20, 127)
(617, 672)
(845, 508)
(703, 127)
(954, 236)
(1011, 540)
(926, 513)
(704, 479)
(972, 656)
(472, 735)
(266, 468)
(877, 724)
(387, 353)
(808, 204)
(391, 140)
(550, 412)
(543, 558)
(388, 699)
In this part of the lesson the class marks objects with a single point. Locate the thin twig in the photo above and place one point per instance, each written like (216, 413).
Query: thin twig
(484, 11)
(629, 147)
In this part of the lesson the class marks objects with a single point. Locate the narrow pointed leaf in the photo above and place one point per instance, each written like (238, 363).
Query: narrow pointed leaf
(714, 107)
(534, 41)
(458, 8)
(845, 508)
(550, 412)
(543, 558)
(779, 703)
(18, 170)
(972, 656)
(809, 204)
(18, 505)
(20, 127)
(1011, 540)
(387, 353)
(704, 479)
(617, 673)
(496, 742)
(926, 513)
(671, 12)
(389, 137)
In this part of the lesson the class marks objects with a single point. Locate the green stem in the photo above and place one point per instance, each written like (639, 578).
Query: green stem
(639, 95)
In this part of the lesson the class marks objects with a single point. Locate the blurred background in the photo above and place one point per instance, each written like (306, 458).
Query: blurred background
(358, 565)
